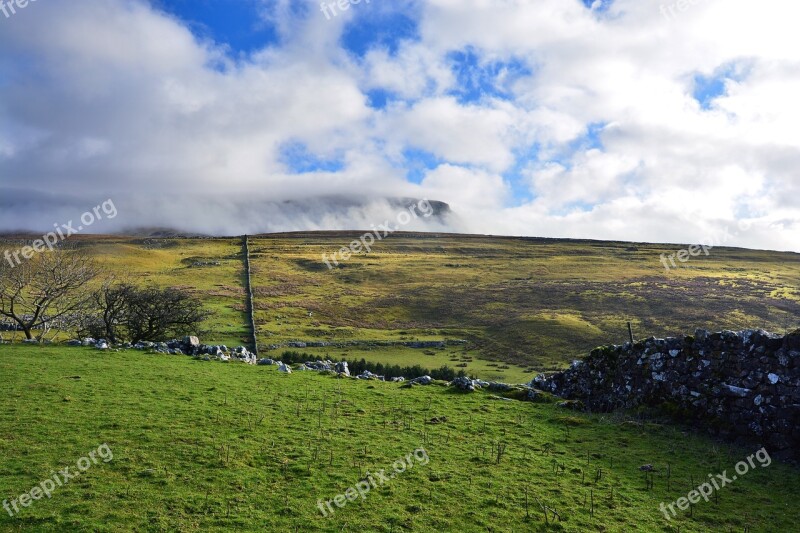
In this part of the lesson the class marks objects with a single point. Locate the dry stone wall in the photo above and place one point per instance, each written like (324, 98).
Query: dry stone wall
(744, 386)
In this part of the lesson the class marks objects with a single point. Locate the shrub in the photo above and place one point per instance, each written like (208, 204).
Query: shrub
(444, 373)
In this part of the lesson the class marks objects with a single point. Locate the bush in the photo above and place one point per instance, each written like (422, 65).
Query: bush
(445, 373)
(128, 313)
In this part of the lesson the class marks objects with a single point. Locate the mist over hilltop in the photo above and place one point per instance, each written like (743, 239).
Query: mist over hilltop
(21, 211)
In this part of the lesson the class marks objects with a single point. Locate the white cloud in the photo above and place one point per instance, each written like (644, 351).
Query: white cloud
(479, 135)
(466, 189)
(122, 97)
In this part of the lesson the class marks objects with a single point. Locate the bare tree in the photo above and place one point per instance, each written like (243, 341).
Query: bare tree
(112, 302)
(46, 289)
(123, 312)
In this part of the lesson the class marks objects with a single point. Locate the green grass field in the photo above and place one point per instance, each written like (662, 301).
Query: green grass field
(211, 447)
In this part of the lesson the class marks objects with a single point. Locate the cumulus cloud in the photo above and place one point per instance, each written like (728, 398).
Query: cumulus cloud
(621, 120)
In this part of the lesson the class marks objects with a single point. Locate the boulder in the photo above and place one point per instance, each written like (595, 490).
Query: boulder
(422, 380)
(282, 367)
(191, 341)
(319, 366)
(242, 354)
(463, 383)
(342, 368)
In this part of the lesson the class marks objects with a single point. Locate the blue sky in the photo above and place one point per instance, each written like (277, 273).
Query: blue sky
(235, 23)
(240, 24)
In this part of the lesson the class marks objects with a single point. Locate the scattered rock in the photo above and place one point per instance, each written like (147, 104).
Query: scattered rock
(191, 341)
(369, 375)
(464, 384)
(342, 368)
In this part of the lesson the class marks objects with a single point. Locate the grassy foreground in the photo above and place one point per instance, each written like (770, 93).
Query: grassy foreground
(211, 447)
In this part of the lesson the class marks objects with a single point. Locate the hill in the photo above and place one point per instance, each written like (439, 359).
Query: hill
(523, 303)
(210, 446)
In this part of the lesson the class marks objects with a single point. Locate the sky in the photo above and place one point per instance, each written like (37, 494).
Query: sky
(629, 120)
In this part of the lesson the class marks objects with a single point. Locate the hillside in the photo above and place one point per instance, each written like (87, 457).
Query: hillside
(529, 304)
(209, 446)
